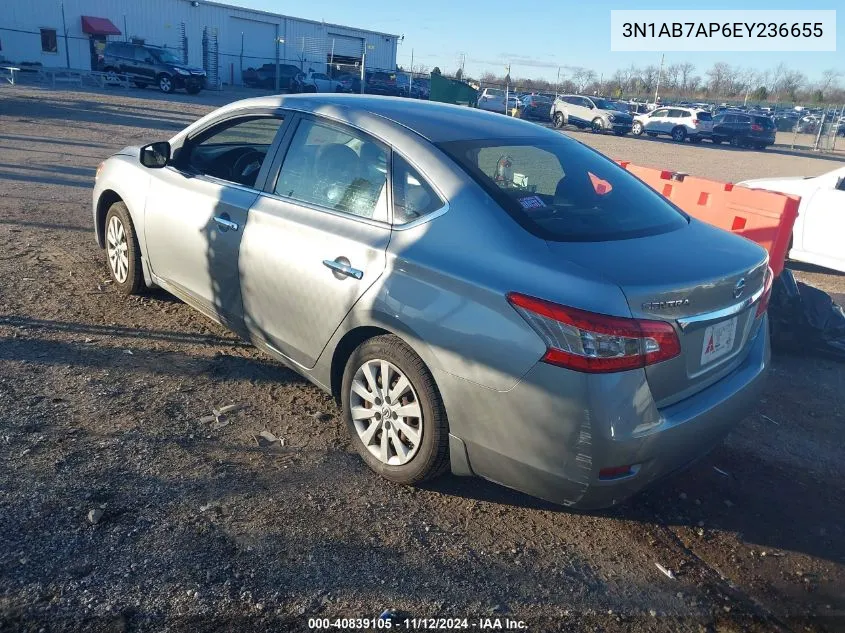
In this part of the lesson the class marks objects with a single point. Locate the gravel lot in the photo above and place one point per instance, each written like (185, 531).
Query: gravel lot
(197, 528)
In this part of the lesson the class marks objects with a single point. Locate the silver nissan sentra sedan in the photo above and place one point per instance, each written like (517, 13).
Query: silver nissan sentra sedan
(479, 293)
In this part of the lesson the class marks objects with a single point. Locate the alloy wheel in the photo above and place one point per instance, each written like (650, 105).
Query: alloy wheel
(386, 412)
(165, 84)
(111, 76)
(637, 129)
(117, 249)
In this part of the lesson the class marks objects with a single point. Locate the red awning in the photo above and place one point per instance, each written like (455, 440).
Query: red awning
(99, 26)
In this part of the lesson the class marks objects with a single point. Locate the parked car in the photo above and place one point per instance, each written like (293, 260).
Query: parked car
(820, 227)
(536, 107)
(321, 82)
(381, 83)
(151, 66)
(743, 130)
(679, 123)
(589, 358)
(492, 100)
(595, 113)
(290, 77)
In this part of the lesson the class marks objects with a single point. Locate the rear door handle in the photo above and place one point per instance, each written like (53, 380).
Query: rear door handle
(225, 224)
(341, 267)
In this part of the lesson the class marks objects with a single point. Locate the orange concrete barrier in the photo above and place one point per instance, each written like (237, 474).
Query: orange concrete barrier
(764, 217)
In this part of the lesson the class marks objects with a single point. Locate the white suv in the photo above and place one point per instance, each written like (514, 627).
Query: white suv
(596, 113)
(492, 99)
(679, 123)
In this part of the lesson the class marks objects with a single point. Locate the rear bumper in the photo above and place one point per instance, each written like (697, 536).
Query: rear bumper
(550, 437)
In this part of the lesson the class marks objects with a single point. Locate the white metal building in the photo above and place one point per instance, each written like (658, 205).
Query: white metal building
(71, 33)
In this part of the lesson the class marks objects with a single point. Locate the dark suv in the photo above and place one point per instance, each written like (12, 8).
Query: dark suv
(151, 65)
(743, 130)
(290, 77)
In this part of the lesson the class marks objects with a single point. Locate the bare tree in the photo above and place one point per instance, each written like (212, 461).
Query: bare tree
(686, 70)
(648, 78)
(582, 77)
(719, 78)
(671, 77)
(830, 78)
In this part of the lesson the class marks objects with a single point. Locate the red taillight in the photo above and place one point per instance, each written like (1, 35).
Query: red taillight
(695, 121)
(617, 472)
(767, 293)
(596, 343)
(756, 128)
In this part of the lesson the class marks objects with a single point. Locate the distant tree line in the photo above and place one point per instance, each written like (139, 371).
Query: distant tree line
(721, 82)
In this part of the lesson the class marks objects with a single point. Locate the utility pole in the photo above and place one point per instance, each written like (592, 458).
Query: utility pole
(557, 85)
(507, 87)
(64, 25)
(411, 75)
(659, 72)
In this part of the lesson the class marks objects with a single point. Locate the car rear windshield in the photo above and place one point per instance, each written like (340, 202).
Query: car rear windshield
(563, 191)
(764, 121)
(703, 116)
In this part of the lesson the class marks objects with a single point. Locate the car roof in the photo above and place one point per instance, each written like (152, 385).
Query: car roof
(437, 122)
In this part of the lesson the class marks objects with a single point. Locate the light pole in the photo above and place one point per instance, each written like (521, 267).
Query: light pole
(364, 64)
(659, 72)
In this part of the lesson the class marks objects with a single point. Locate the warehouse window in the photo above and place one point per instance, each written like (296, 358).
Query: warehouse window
(49, 43)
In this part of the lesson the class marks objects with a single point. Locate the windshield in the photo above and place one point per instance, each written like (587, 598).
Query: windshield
(605, 104)
(166, 57)
(564, 191)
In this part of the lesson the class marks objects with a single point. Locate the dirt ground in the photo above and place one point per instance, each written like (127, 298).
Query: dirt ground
(101, 400)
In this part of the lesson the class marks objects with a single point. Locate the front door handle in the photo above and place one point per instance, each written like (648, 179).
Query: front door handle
(341, 267)
(225, 224)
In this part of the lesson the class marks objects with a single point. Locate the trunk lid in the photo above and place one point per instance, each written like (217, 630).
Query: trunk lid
(696, 278)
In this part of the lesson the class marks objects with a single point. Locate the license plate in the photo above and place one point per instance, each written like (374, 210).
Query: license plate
(718, 340)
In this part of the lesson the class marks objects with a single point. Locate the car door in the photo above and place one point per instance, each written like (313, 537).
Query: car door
(126, 60)
(197, 210)
(316, 237)
(824, 223)
(655, 120)
(721, 126)
(145, 65)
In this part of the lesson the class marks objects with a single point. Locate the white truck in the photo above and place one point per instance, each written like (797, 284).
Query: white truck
(492, 99)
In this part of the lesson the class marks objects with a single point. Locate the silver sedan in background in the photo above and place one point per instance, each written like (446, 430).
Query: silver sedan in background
(478, 293)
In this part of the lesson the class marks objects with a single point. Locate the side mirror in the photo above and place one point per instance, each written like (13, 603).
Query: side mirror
(155, 155)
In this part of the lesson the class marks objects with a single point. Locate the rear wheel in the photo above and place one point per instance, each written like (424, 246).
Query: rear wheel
(111, 75)
(122, 250)
(165, 84)
(679, 134)
(736, 141)
(559, 120)
(597, 126)
(637, 128)
(394, 412)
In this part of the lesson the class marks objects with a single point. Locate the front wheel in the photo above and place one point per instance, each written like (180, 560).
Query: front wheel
(394, 412)
(559, 120)
(597, 126)
(122, 250)
(165, 84)
(637, 129)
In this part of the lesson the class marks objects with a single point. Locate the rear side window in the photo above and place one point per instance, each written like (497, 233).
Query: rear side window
(413, 197)
(703, 116)
(764, 122)
(561, 190)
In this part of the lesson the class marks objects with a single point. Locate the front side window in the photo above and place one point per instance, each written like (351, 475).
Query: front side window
(560, 190)
(233, 151)
(335, 168)
(49, 42)
(413, 197)
(166, 57)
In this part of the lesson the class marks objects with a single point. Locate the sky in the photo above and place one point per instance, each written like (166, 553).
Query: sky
(539, 37)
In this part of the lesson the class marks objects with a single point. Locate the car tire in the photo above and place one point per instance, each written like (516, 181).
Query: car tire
(597, 126)
(165, 83)
(679, 134)
(193, 90)
(123, 255)
(735, 141)
(424, 459)
(559, 119)
(637, 129)
(111, 74)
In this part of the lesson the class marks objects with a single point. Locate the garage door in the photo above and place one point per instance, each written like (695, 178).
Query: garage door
(259, 46)
(346, 46)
